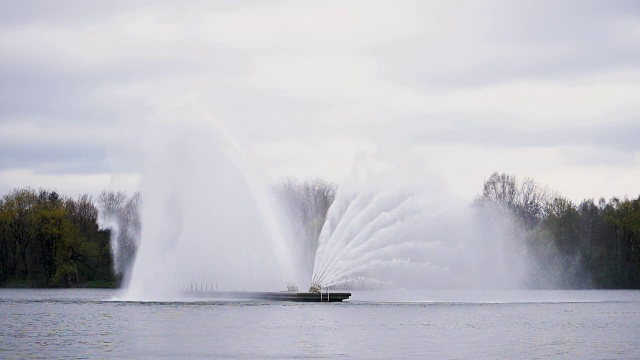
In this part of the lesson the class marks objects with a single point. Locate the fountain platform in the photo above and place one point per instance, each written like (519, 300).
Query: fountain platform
(271, 295)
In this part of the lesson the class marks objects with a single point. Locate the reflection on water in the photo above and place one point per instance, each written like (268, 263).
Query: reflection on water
(516, 324)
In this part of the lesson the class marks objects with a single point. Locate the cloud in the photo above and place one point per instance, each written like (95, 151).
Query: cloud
(480, 43)
(308, 85)
(67, 184)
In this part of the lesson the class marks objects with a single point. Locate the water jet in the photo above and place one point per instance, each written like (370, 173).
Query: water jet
(207, 214)
(208, 217)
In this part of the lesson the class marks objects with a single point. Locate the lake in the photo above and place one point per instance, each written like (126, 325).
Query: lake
(84, 323)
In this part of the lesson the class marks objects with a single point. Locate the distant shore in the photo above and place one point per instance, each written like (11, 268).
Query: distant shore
(97, 284)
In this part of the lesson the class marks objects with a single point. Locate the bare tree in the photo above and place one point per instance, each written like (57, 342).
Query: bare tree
(529, 201)
(119, 214)
(307, 204)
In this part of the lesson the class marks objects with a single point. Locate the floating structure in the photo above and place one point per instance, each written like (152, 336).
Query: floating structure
(315, 294)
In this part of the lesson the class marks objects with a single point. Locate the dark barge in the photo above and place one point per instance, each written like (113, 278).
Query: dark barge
(271, 296)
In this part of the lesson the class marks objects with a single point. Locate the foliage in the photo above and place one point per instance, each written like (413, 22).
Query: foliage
(46, 240)
(120, 215)
(586, 246)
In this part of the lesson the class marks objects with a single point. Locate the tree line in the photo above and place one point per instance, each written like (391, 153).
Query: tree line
(51, 241)
(593, 244)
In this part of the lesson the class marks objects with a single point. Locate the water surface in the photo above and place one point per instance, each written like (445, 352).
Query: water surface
(427, 324)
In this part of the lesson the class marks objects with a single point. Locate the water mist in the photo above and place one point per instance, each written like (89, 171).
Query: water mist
(392, 226)
(207, 219)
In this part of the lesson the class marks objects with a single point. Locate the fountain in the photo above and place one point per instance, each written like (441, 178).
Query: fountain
(207, 218)
(392, 226)
(206, 215)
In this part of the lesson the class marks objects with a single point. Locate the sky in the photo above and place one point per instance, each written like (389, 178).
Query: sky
(542, 89)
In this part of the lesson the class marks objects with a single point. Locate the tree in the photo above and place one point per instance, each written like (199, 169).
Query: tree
(47, 240)
(527, 200)
(307, 204)
(119, 214)
(562, 221)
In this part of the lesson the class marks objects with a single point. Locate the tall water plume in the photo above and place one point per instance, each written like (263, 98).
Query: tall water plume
(207, 220)
(394, 226)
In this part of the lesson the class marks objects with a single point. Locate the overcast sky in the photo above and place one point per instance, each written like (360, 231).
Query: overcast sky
(545, 89)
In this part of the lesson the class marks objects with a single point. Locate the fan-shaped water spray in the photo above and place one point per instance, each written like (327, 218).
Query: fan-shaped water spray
(396, 227)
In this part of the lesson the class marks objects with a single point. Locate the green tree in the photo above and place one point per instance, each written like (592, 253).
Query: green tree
(46, 240)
